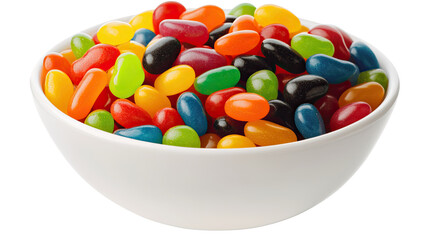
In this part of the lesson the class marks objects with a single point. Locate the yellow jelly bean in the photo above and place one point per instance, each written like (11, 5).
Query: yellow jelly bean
(270, 14)
(115, 33)
(265, 133)
(58, 89)
(143, 20)
(68, 54)
(235, 141)
(110, 73)
(132, 46)
(303, 29)
(150, 99)
(175, 80)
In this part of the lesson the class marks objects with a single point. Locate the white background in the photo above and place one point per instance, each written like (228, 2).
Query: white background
(41, 197)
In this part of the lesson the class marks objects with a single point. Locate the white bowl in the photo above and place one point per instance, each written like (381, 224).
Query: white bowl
(213, 188)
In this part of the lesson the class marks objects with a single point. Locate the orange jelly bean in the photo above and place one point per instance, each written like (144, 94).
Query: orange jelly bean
(85, 94)
(369, 92)
(244, 22)
(265, 133)
(247, 107)
(209, 140)
(210, 15)
(68, 54)
(237, 43)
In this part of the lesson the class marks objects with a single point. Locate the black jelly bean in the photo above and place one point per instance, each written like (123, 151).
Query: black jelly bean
(281, 113)
(305, 89)
(283, 55)
(249, 64)
(217, 33)
(161, 55)
(230, 18)
(225, 125)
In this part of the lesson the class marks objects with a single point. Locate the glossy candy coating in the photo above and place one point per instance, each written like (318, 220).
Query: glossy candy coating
(217, 79)
(115, 33)
(147, 133)
(127, 75)
(265, 133)
(249, 64)
(327, 106)
(235, 141)
(150, 99)
(104, 100)
(237, 43)
(347, 39)
(264, 83)
(225, 125)
(167, 118)
(333, 35)
(58, 89)
(334, 70)
(270, 14)
(242, 9)
(281, 113)
(192, 112)
(349, 114)
(363, 56)
(68, 54)
(308, 121)
(175, 80)
(166, 10)
(244, 22)
(209, 140)
(369, 92)
(55, 61)
(307, 45)
(80, 43)
(201, 59)
(283, 55)
(376, 75)
(143, 36)
(100, 119)
(128, 114)
(181, 136)
(134, 47)
(305, 89)
(276, 31)
(218, 32)
(247, 107)
(337, 89)
(186, 31)
(210, 15)
(215, 103)
(142, 20)
(161, 55)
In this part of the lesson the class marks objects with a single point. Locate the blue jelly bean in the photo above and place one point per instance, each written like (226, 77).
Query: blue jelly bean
(147, 133)
(363, 56)
(192, 112)
(308, 121)
(354, 78)
(143, 36)
(334, 70)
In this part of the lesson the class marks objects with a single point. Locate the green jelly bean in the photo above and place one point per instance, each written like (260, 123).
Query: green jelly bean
(128, 75)
(243, 9)
(308, 45)
(375, 75)
(101, 119)
(264, 83)
(182, 136)
(217, 79)
(80, 43)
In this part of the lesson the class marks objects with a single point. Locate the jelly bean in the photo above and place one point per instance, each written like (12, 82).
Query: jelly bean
(58, 89)
(303, 29)
(284, 78)
(95, 39)
(347, 39)
(337, 89)
(369, 92)
(237, 43)
(85, 94)
(192, 112)
(215, 103)
(327, 105)
(225, 125)
(264, 83)
(127, 75)
(209, 140)
(281, 113)
(147, 133)
(244, 22)
(217, 33)
(276, 31)
(161, 55)
(185, 31)
(363, 56)
(181, 136)
(307, 45)
(230, 19)
(243, 9)
(167, 118)
(349, 114)
(80, 43)
(166, 10)
(247, 107)
(68, 54)
(249, 64)
(100, 119)
(102, 56)
(128, 114)
(375, 75)
(235, 141)
(175, 80)
(134, 47)
(173, 98)
(308, 121)
(115, 33)
(354, 78)
(143, 36)
(265, 133)
(155, 39)
(270, 14)
(334, 70)
(104, 100)
(335, 36)
(305, 89)
(150, 99)
(201, 59)
(217, 79)
(283, 55)
(142, 20)
(55, 61)
(210, 15)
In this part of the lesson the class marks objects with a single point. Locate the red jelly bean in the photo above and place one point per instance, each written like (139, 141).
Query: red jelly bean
(244, 22)
(201, 59)
(128, 114)
(332, 34)
(337, 89)
(215, 103)
(185, 31)
(167, 10)
(54, 61)
(101, 56)
(210, 15)
(327, 106)
(347, 39)
(276, 31)
(104, 100)
(237, 43)
(349, 114)
(167, 118)
(95, 39)
(247, 107)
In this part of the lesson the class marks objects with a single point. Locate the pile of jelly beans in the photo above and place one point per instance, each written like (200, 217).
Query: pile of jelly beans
(203, 78)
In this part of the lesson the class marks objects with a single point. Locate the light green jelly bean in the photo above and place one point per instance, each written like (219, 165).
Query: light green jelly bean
(128, 75)
(243, 9)
(307, 45)
(101, 119)
(182, 136)
(264, 83)
(80, 43)
(217, 79)
(375, 75)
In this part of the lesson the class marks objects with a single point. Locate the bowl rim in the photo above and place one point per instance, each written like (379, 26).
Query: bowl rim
(388, 102)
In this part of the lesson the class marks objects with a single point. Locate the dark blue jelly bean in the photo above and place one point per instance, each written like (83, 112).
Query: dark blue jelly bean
(281, 54)
(192, 112)
(225, 125)
(308, 121)
(354, 78)
(363, 56)
(281, 113)
(249, 64)
(143, 36)
(147, 133)
(216, 33)
(305, 89)
(334, 70)
(161, 55)
(230, 18)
